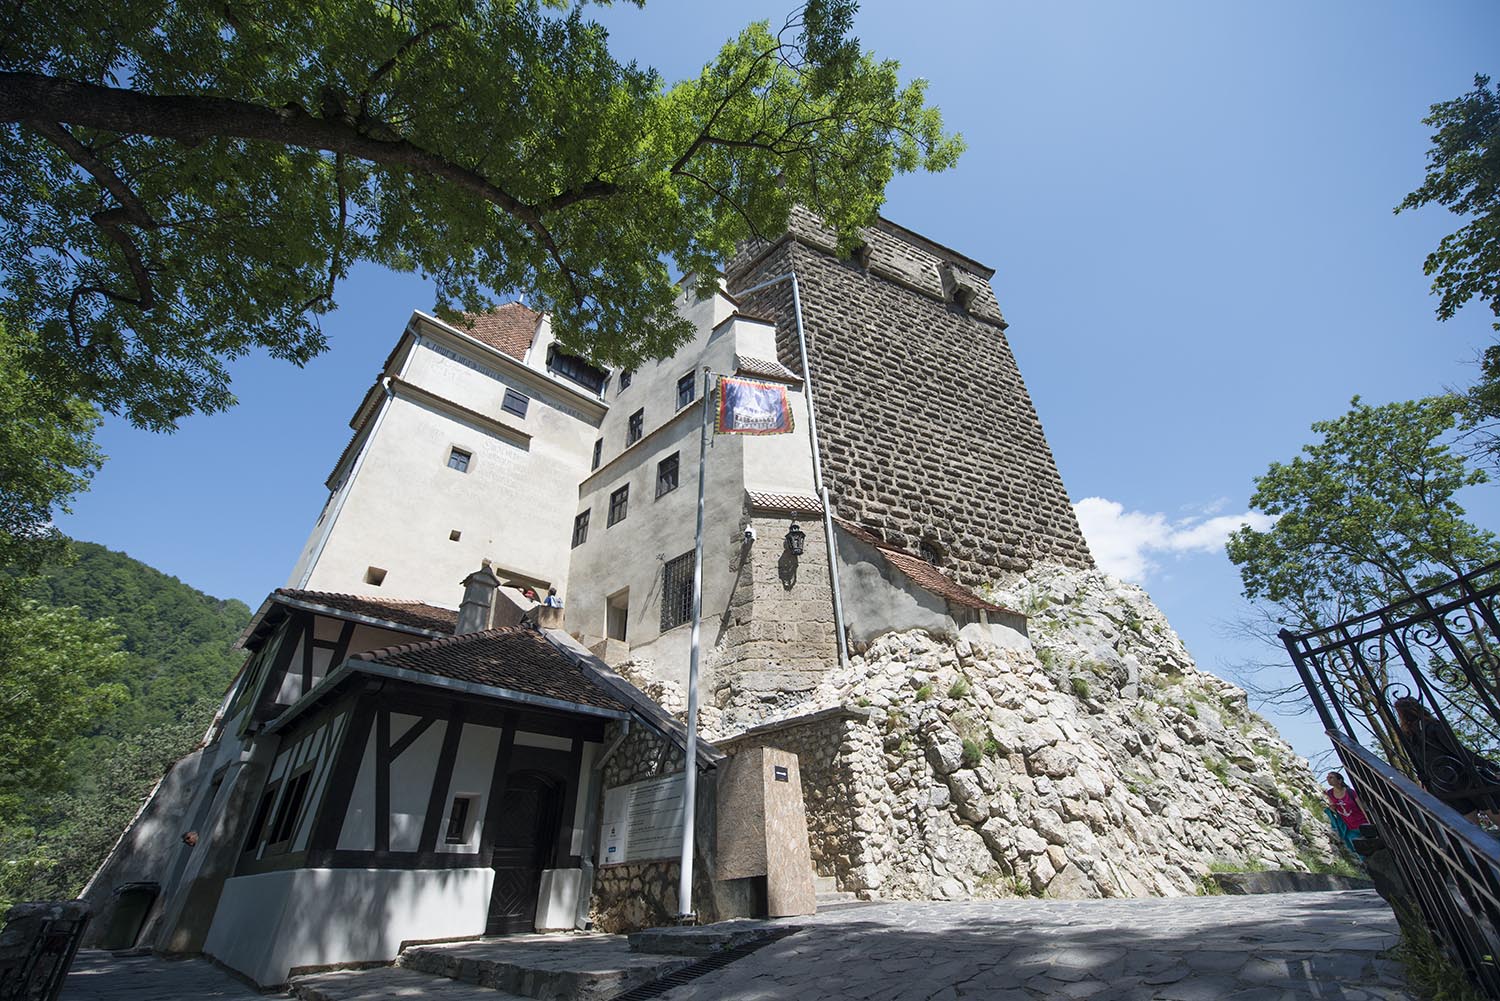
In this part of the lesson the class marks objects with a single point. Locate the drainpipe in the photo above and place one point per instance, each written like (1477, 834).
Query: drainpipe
(818, 486)
(591, 826)
(347, 487)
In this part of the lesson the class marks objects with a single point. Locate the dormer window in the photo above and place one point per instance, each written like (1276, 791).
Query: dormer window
(575, 369)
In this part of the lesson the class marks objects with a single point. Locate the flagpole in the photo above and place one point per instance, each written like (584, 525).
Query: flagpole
(690, 764)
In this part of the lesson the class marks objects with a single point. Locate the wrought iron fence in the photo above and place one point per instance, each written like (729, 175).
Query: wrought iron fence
(1410, 697)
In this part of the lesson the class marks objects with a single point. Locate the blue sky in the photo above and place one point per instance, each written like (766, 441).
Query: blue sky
(1188, 207)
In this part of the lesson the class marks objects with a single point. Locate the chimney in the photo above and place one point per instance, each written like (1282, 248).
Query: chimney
(478, 607)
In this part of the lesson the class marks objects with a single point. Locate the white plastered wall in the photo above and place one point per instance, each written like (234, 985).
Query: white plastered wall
(268, 924)
(512, 506)
(632, 553)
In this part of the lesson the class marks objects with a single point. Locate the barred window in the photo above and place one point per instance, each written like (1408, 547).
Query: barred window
(619, 501)
(687, 388)
(580, 529)
(677, 591)
(666, 474)
(637, 427)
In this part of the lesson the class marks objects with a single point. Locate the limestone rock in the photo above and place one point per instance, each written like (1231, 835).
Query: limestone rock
(1107, 763)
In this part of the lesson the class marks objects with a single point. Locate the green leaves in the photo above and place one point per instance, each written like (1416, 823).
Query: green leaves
(1463, 173)
(183, 181)
(56, 679)
(47, 454)
(1365, 515)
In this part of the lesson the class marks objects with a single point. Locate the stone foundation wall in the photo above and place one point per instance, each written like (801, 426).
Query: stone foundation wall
(927, 432)
(644, 894)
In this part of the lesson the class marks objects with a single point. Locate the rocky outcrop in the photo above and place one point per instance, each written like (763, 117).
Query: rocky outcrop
(1101, 762)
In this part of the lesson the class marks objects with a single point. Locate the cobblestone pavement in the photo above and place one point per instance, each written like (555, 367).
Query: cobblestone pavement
(1284, 947)
(1288, 947)
(102, 976)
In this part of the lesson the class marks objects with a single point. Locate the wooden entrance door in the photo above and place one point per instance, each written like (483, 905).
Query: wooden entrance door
(525, 838)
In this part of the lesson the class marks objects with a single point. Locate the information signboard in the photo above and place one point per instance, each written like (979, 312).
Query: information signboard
(643, 821)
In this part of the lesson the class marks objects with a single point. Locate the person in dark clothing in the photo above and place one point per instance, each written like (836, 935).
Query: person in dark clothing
(1444, 767)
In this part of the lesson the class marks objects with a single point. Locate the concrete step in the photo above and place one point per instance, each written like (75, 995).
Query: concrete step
(566, 967)
(389, 982)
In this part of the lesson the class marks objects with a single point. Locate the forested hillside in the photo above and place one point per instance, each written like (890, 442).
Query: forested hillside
(177, 661)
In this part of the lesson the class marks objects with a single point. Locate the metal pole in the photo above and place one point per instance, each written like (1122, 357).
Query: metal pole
(818, 487)
(690, 765)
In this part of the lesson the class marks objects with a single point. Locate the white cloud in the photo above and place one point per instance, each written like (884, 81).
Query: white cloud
(1125, 542)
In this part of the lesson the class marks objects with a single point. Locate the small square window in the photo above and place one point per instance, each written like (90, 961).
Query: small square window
(625, 378)
(514, 403)
(619, 501)
(637, 427)
(375, 576)
(598, 454)
(455, 535)
(581, 529)
(459, 459)
(666, 474)
(687, 390)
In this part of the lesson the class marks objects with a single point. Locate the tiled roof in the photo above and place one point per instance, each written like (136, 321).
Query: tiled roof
(517, 659)
(766, 368)
(506, 328)
(921, 573)
(761, 500)
(399, 612)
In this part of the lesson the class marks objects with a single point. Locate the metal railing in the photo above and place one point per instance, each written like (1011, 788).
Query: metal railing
(1410, 697)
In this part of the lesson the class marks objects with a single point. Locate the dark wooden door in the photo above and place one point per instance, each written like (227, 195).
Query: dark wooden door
(524, 835)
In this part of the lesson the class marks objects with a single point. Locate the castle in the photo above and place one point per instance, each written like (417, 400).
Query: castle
(405, 756)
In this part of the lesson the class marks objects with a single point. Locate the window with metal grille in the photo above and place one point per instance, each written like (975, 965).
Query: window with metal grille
(580, 529)
(598, 454)
(618, 502)
(677, 591)
(687, 390)
(666, 474)
(637, 427)
(459, 459)
(514, 403)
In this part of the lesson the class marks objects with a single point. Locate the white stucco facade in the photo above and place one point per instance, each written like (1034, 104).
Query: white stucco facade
(272, 923)
(402, 522)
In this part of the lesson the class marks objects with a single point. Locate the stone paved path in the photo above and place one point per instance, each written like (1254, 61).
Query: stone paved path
(102, 976)
(1287, 947)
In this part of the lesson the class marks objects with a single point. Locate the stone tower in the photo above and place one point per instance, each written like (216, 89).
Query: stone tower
(927, 433)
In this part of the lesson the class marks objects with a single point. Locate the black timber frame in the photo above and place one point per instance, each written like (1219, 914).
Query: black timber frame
(370, 707)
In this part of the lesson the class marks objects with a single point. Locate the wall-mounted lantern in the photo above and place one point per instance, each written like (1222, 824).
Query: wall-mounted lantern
(795, 538)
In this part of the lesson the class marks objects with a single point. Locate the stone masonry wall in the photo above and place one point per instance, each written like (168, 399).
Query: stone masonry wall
(778, 641)
(927, 432)
(644, 894)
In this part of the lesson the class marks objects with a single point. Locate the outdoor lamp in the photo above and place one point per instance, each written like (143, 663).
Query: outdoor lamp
(794, 539)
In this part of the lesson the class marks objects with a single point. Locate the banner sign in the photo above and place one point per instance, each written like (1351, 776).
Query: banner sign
(747, 407)
(643, 821)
